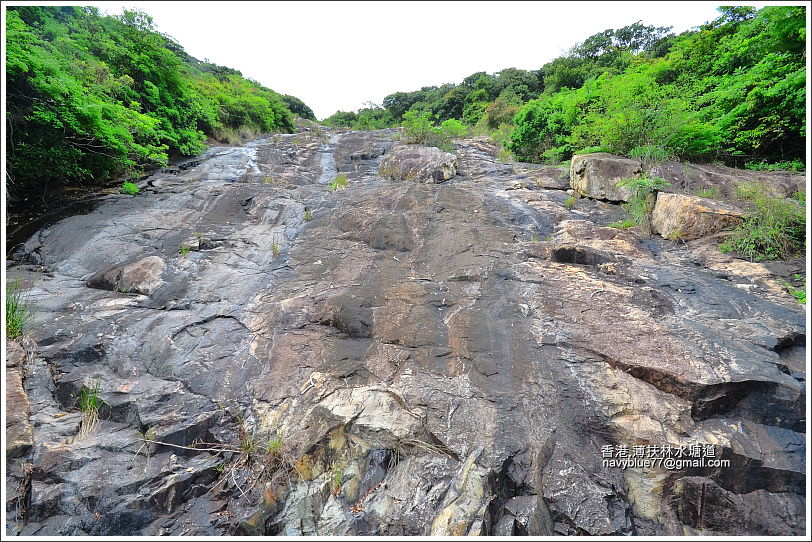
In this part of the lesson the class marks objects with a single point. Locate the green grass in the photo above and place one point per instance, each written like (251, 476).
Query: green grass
(569, 203)
(709, 193)
(129, 188)
(276, 247)
(773, 228)
(339, 183)
(798, 292)
(89, 403)
(18, 309)
(623, 224)
(184, 250)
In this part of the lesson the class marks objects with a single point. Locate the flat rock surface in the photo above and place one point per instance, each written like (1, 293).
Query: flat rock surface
(399, 358)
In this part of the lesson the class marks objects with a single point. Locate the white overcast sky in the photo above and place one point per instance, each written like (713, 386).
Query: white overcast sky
(339, 55)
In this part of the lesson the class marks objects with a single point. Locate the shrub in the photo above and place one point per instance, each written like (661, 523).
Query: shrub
(18, 310)
(774, 227)
(129, 188)
(569, 203)
(785, 165)
(184, 250)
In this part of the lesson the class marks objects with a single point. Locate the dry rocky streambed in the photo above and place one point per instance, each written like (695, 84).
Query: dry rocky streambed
(441, 347)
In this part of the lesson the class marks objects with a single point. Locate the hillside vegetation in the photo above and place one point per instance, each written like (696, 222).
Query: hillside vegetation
(731, 90)
(90, 97)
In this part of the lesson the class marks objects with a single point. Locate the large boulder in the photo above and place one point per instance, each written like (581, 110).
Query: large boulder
(596, 175)
(141, 277)
(19, 436)
(679, 216)
(418, 163)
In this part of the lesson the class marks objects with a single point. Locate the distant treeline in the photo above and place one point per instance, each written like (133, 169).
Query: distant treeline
(90, 97)
(732, 90)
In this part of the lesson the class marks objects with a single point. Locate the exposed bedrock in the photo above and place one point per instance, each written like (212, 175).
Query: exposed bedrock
(396, 358)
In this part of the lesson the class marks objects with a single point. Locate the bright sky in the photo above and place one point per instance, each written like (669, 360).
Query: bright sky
(339, 55)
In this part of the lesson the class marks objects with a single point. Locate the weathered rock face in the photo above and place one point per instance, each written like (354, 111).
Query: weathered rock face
(596, 175)
(404, 359)
(418, 163)
(19, 437)
(679, 216)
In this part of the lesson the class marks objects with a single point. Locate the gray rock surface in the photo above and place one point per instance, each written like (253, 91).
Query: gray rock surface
(415, 359)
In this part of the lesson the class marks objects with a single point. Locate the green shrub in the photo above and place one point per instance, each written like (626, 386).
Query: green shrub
(569, 203)
(184, 250)
(18, 310)
(641, 203)
(129, 188)
(773, 228)
(786, 165)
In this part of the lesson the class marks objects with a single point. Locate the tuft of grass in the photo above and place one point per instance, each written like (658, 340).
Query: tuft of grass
(184, 250)
(276, 248)
(339, 183)
(308, 215)
(709, 193)
(129, 188)
(534, 239)
(89, 403)
(569, 203)
(18, 309)
(338, 476)
(623, 224)
(773, 228)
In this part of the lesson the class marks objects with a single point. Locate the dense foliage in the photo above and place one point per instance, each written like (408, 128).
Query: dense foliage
(731, 90)
(90, 97)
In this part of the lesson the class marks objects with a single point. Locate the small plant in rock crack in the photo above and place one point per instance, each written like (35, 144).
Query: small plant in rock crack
(534, 239)
(184, 250)
(338, 476)
(89, 403)
(129, 188)
(569, 203)
(147, 438)
(308, 215)
(18, 309)
(339, 183)
(276, 248)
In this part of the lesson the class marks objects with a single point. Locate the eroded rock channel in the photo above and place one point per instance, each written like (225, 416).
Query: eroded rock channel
(397, 358)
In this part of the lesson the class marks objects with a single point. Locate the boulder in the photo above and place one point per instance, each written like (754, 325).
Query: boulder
(19, 436)
(141, 277)
(418, 163)
(596, 175)
(679, 216)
